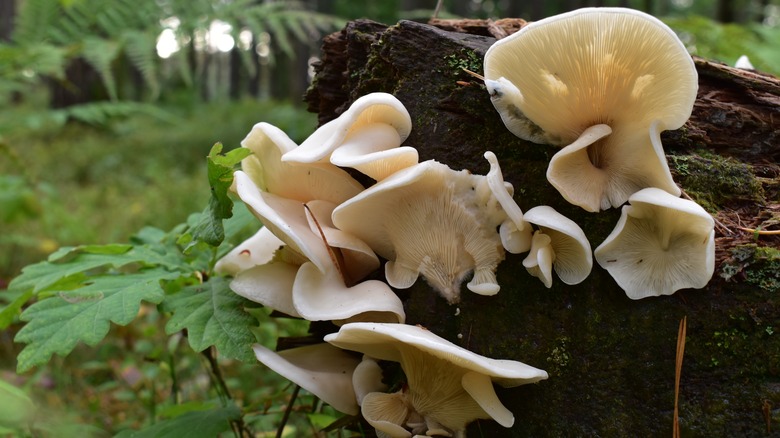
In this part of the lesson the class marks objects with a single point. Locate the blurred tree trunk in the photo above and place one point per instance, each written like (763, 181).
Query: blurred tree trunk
(7, 15)
(611, 360)
(725, 12)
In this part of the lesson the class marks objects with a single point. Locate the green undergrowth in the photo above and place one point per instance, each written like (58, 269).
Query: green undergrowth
(78, 183)
(763, 263)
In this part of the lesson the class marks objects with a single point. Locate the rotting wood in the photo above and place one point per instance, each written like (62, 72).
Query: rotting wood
(611, 359)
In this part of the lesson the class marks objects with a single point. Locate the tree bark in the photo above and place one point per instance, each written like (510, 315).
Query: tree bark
(611, 360)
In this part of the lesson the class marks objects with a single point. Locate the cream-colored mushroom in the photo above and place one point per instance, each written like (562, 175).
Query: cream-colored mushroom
(447, 386)
(299, 182)
(661, 244)
(322, 369)
(621, 72)
(366, 118)
(257, 250)
(429, 219)
(310, 282)
(559, 243)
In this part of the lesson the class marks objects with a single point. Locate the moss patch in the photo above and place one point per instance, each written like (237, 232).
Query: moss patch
(713, 180)
(763, 263)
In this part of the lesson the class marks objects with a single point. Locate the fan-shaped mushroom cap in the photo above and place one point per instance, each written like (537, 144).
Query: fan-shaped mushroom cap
(367, 378)
(661, 244)
(374, 151)
(319, 296)
(614, 66)
(365, 113)
(599, 170)
(299, 182)
(560, 243)
(447, 384)
(428, 219)
(321, 369)
(514, 231)
(256, 250)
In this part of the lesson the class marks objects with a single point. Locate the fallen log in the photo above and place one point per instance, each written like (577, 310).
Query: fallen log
(611, 359)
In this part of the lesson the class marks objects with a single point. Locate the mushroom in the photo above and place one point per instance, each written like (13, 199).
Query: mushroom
(322, 369)
(660, 244)
(257, 250)
(292, 181)
(447, 386)
(308, 280)
(374, 151)
(514, 231)
(559, 243)
(429, 219)
(621, 72)
(366, 119)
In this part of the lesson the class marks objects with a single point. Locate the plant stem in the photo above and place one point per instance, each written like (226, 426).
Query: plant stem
(287, 411)
(239, 427)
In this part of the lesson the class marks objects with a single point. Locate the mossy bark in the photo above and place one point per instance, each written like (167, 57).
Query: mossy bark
(611, 360)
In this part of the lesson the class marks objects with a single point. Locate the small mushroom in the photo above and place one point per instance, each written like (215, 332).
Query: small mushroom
(366, 118)
(661, 244)
(447, 386)
(322, 369)
(429, 219)
(618, 71)
(514, 231)
(292, 181)
(559, 243)
(257, 250)
(374, 151)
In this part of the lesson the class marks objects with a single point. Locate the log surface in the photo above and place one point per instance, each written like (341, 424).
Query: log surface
(611, 360)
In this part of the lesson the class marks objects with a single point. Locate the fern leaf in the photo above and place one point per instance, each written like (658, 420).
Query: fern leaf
(100, 53)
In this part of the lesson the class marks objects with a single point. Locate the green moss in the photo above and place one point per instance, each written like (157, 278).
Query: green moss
(465, 59)
(764, 263)
(713, 181)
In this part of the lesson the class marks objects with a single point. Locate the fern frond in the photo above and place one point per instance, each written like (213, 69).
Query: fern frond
(100, 53)
(140, 49)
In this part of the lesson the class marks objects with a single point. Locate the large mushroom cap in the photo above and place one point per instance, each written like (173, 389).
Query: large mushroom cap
(427, 219)
(321, 369)
(591, 66)
(661, 244)
(385, 341)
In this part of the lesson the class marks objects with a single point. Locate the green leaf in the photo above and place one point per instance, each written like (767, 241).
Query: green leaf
(69, 261)
(57, 324)
(213, 315)
(9, 312)
(17, 409)
(196, 424)
(220, 173)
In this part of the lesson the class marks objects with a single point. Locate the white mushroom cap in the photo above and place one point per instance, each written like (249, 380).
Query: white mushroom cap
(438, 370)
(365, 112)
(427, 219)
(256, 250)
(561, 244)
(323, 296)
(270, 284)
(367, 378)
(321, 369)
(661, 244)
(300, 182)
(603, 167)
(590, 66)
(285, 218)
(374, 151)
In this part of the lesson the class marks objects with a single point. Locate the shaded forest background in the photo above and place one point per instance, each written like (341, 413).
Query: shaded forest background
(107, 110)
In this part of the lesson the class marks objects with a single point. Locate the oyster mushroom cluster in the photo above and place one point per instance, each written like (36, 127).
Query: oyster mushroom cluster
(602, 83)
(322, 236)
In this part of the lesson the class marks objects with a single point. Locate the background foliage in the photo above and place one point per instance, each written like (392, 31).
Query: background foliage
(104, 134)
